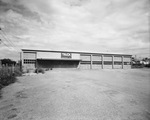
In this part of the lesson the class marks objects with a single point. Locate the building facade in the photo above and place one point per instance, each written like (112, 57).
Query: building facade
(33, 59)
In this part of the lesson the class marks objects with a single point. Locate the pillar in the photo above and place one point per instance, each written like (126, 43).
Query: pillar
(36, 63)
(131, 61)
(122, 62)
(112, 62)
(102, 61)
(21, 61)
(79, 65)
(91, 62)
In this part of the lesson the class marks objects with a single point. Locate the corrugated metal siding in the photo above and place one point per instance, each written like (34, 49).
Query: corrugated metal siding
(117, 58)
(48, 55)
(117, 66)
(107, 66)
(96, 66)
(85, 58)
(29, 56)
(75, 56)
(96, 58)
(126, 59)
(107, 58)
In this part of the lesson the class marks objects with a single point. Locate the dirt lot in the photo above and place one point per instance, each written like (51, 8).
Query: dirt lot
(79, 95)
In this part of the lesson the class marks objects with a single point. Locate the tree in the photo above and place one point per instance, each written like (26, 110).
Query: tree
(8, 62)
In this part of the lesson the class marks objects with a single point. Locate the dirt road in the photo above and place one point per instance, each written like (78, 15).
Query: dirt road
(79, 95)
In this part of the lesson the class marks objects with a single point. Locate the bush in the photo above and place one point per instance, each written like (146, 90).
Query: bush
(40, 70)
(18, 73)
(7, 78)
(47, 69)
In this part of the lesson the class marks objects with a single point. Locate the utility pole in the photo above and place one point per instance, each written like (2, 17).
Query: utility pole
(0, 39)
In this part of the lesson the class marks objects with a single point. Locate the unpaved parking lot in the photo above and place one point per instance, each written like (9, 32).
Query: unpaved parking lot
(79, 95)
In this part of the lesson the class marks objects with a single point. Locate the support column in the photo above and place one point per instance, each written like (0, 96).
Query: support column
(112, 62)
(91, 62)
(22, 61)
(102, 61)
(122, 62)
(36, 63)
(131, 61)
(79, 65)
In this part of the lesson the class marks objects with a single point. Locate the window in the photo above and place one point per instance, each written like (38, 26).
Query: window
(28, 61)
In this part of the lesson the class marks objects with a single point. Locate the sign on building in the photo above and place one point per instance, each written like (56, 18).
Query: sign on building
(65, 55)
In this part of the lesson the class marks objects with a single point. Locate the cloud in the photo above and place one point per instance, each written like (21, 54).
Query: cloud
(86, 25)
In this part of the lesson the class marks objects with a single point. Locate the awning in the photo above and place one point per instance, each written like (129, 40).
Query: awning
(59, 59)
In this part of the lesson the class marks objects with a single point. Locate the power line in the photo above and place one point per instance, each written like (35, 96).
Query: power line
(5, 44)
(7, 37)
(8, 40)
(10, 46)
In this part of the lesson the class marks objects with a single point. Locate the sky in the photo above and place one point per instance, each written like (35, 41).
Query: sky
(107, 26)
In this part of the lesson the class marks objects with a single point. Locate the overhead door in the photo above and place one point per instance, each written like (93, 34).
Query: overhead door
(29, 60)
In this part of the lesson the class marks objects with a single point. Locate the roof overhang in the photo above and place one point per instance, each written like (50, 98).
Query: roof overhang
(59, 59)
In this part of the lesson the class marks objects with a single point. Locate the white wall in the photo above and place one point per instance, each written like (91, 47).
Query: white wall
(125, 59)
(29, 56)
(117, 58)
(53, 55)
(75, 56)
(96, 66)
(107, 58)
(85, 58)
(48, 55)
(96, 58)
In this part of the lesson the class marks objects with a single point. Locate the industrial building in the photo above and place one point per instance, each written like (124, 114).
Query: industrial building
(33, 59)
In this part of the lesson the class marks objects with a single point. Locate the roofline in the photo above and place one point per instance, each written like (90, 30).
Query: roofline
(33, 50)
(59, 59)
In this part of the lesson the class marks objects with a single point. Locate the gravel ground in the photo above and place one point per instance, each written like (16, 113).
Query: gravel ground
(79, 95)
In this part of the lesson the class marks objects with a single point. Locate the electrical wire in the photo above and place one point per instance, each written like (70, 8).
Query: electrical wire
(4, 34)
(5, 44)
(8, 40)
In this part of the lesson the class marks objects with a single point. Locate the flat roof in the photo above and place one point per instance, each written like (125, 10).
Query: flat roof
(94, 53)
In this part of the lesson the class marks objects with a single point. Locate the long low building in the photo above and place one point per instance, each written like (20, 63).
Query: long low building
(33, 59)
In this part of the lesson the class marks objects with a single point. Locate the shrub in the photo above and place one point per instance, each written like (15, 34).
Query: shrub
(7, 78)
(39, 70)
(18, 73)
